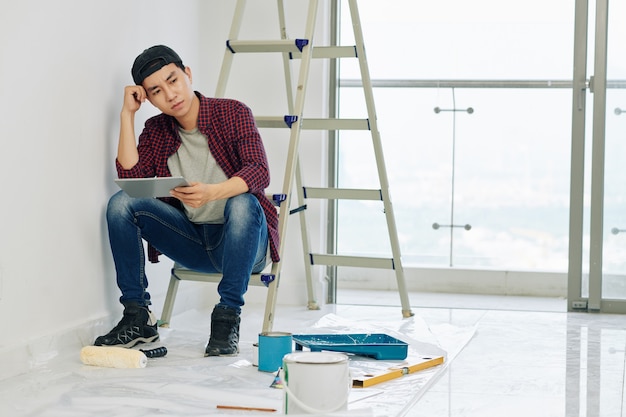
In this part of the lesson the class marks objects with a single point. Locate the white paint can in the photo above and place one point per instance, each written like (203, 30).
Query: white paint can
(315, 382)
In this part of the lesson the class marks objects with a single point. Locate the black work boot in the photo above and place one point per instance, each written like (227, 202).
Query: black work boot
(138, 325)
(224, 338)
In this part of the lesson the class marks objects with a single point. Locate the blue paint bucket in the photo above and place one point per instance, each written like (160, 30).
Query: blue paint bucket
(272, 347)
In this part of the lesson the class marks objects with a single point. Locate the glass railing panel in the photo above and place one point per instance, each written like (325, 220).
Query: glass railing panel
(486, 185)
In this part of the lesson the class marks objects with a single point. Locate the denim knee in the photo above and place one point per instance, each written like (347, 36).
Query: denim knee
(118, 205)
(243, 209)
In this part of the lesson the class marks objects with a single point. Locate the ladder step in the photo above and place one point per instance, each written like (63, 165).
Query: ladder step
(271, 121)
(342, 193)
(184, 274)
(314, 124)
(328, 52)
(336, 124)
(294, 46)
(356, 261)
(283, 45)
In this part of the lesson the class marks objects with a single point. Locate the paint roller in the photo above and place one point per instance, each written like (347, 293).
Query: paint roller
(118, 357)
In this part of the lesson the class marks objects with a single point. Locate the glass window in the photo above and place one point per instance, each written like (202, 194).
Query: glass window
(479, 175)
(614, 242)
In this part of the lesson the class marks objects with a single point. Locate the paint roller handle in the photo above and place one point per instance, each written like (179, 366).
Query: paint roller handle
(155, 353)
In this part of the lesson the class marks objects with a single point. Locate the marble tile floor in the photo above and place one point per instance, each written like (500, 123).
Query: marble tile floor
(529, 357)
(504, 357)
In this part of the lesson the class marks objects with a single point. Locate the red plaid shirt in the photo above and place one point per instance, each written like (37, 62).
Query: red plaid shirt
(234, 142)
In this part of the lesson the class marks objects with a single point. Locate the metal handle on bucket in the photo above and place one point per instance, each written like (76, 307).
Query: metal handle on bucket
(311, 410)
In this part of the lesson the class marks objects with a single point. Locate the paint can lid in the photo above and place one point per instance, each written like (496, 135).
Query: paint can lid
(315, 357)
(275, 334)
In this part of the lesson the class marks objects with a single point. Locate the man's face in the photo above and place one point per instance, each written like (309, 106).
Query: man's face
(169, 90)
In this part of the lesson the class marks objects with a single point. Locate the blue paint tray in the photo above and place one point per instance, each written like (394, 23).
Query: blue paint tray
(375, 345)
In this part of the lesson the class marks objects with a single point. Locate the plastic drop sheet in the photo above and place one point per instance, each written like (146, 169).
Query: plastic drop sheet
(185, 383)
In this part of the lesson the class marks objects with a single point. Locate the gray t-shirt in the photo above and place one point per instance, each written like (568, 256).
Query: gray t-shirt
(194, 161)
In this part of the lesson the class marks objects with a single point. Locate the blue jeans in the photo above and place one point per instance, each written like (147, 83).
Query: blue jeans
(236, 248)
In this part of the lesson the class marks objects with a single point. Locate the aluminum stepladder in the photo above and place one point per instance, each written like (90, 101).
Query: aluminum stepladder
(303, 49)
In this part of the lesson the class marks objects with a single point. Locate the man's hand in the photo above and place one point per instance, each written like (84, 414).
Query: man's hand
(196, 194)
(134, 96)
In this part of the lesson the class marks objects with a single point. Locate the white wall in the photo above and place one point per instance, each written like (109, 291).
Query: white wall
(63, 67)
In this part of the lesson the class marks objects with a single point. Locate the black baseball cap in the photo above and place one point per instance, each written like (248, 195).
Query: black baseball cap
(153, 59)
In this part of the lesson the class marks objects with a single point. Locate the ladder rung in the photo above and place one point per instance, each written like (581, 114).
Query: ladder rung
(336, 124)
(271, 121)
(343, 193)
(184, 274)
(357, 261)
(283, 45)
(315, 124)
(330, 52)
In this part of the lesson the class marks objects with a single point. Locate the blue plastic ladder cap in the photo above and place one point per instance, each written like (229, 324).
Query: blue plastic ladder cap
(267, 278)
(279, 198)
(290, 119)
(301, 43)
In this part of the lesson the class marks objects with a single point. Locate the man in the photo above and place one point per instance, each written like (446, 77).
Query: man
(221, 222)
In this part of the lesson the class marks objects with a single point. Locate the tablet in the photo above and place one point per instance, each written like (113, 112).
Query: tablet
(150, 187)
